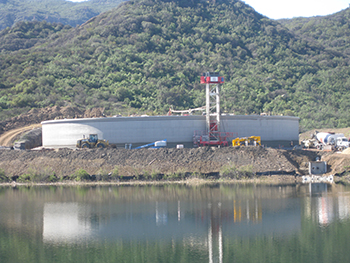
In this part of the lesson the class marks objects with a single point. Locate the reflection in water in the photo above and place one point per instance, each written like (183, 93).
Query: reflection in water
(323, 208)
(161, 213)
(344, 207)
(65, 222)
(208, 220)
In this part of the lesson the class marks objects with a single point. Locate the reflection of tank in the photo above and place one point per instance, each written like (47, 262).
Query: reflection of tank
(72, 222)
(325, 210)
(64, 222)
(344, 207)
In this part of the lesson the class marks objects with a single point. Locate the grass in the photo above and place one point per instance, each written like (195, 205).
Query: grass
(231, 171)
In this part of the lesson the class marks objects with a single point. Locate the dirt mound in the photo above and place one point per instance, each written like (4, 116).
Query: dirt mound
(30, 139)
(65, 162)
(337, 162)
(8, 138)
(94, 113)
(346, 151)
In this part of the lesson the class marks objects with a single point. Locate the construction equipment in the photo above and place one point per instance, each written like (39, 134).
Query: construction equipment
(309, 143)
(154, 145)
(201, 138)
(185, 112)
(327, 140)
(92, 142)
(252, 140)
(338, 140)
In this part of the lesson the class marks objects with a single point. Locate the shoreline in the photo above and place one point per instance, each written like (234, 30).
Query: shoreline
(273, 180)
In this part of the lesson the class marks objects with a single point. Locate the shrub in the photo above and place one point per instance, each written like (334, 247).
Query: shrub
(102, 175)
(3, 177)
(24, 178)
(229, 170)
(115, 173)
(246, 171)
(81, 175)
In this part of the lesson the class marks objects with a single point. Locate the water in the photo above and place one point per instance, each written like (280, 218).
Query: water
(175, 223)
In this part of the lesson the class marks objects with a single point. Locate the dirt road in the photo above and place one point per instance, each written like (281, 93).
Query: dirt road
(8, 138)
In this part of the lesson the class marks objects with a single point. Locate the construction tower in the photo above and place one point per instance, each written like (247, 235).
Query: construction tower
(213, 135)
(212, 90)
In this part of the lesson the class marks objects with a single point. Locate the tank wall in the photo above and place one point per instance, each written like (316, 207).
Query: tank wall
(176, 129)
(270, 128)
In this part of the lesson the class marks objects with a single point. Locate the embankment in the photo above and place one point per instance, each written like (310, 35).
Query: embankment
(168, 161)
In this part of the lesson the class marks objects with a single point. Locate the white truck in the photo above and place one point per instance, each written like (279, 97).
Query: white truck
(335, 140)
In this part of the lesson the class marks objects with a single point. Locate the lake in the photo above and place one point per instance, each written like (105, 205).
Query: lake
(175, 223)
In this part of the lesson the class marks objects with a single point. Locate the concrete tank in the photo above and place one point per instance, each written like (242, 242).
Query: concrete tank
(274, 130)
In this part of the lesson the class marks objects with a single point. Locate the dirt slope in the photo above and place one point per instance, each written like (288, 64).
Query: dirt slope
(8, 138)
(65, 162)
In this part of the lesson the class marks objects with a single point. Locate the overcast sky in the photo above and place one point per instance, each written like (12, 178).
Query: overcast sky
(276, 9)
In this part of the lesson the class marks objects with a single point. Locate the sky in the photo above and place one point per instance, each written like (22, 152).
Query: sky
(277, 9)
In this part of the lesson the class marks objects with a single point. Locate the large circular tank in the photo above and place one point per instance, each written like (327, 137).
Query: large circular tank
(274, 130)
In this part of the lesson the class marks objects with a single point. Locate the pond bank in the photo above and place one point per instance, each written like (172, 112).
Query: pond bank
(161, 165)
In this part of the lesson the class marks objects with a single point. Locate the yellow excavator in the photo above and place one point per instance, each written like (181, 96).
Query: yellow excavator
(92, 142)
(252, 140)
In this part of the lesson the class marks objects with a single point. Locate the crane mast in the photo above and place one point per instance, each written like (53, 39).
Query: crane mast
(212, 81)
(213, 135)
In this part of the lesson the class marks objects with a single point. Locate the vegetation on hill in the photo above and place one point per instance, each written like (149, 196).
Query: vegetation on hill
(147, 55)
(25, 35)
(330, 31)
(66, 12)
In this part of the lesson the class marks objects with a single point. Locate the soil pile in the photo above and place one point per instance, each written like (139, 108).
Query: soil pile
(64, 162)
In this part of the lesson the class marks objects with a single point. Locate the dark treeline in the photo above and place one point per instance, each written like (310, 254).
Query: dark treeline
(147, 55)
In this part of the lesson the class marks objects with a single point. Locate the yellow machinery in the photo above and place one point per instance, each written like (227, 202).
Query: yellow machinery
(92, 142)
(252, 140)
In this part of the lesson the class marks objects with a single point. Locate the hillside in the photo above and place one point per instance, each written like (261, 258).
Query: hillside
(25, 35)
(330, 31)
(58, 11)
(147, 55)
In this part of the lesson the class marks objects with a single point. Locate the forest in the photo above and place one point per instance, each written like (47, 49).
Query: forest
(65, 12)
(146, 56)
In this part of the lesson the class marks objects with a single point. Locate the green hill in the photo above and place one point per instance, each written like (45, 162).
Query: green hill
(66, 12)
(330, 31)
(146, 56)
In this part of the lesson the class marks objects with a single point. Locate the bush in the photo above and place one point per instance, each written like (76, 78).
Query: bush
(246, 171)
(115, 173)
(81, 175)
(24, 178)
(231, 171)
(102, 175)
(3, 177)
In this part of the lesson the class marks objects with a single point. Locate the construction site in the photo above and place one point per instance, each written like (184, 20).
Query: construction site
(209, 144)
(210, 128)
